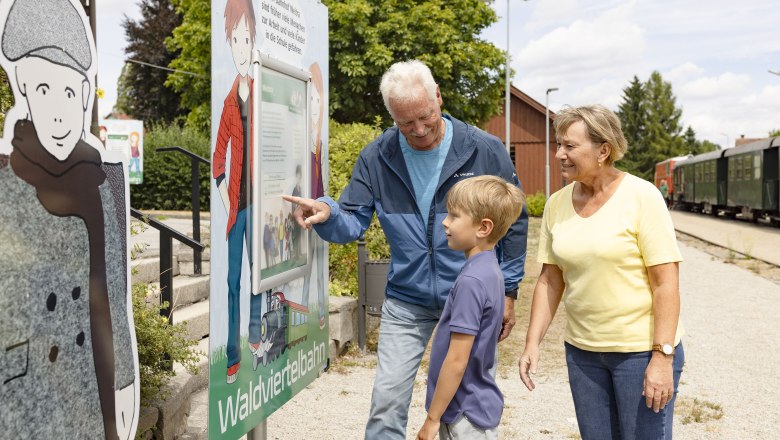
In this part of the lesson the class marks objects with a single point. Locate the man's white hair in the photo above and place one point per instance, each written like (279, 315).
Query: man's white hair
(400, 81)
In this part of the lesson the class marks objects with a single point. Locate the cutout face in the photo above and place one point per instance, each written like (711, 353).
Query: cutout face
(56, 98)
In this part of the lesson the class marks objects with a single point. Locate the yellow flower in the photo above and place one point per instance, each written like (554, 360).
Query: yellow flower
(100, 93)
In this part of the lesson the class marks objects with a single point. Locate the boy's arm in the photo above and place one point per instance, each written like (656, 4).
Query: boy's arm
(450, 376)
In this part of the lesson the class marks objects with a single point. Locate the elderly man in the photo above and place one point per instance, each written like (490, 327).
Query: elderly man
(404, 176)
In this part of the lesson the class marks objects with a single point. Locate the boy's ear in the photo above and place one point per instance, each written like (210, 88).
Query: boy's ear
(485, 228)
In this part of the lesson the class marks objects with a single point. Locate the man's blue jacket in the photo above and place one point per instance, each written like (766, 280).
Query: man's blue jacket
(422, 267)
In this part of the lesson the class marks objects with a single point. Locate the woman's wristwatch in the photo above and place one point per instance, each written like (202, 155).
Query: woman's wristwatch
(666, 349)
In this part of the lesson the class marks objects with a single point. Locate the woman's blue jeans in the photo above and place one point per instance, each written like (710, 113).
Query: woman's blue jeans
(607, 391)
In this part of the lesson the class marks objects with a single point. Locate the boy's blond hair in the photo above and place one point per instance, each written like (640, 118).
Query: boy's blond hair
(488, 197)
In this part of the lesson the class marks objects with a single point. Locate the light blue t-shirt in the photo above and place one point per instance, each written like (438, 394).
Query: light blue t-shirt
(425, 168)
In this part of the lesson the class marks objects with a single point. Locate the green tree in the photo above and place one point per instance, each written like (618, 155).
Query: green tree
(123, 104)
(651, 123)
(705, 146)
(143, 93)
(695, 146)
(775, 132)
(689, 140)
(6, 98)
(633, 118)
(192, 41)
(367, 36)
(663, 124)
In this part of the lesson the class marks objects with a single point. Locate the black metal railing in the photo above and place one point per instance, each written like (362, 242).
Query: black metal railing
(167, 234)
(195, 183)
(372, 281)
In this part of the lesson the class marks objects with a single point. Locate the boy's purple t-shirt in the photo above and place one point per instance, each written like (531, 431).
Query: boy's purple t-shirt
(475, 306)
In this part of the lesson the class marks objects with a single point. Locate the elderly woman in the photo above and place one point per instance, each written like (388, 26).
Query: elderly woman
(608, 248)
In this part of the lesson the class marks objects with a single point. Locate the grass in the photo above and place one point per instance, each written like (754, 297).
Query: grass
(697, 410)
(352, 358)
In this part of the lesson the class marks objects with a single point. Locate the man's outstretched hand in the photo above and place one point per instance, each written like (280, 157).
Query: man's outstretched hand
(308, 212)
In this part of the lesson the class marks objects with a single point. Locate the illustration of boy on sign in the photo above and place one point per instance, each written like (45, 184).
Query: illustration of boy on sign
(233, 180)
(68, 362)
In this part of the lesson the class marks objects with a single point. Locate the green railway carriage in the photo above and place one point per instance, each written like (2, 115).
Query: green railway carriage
(703, 179)
(743, 181)
(753, 177)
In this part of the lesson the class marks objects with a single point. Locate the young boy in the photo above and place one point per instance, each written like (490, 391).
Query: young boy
(463, 400)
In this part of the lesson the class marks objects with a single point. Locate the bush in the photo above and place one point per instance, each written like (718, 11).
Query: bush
(159, 343)
(535, 204)
(167, 175)
(345, 143)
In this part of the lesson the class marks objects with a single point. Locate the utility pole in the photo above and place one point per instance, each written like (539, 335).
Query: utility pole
(547, 141)
(507, 95)
(89, 8)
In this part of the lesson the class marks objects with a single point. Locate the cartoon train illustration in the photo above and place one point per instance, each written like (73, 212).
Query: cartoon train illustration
(284, 324)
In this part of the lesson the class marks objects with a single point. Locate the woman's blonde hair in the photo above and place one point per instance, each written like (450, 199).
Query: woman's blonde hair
(488, 197)
(603, 127)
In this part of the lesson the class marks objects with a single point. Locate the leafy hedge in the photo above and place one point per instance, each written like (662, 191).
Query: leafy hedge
(535, 204)
(167, 175)
(345, 143)
(159, 343)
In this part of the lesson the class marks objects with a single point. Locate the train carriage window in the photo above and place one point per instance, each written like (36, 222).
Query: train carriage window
(731, 169)
(748, 168)
(757, 166)
(738, 166)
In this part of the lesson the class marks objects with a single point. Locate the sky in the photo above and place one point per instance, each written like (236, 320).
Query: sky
(715, 54)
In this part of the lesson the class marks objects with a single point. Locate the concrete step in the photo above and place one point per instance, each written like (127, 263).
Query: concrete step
(188, 267)
(196, 318)
(187, 289)
(147, 269)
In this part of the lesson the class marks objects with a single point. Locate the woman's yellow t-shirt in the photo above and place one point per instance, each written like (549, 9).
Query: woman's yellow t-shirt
(603, 258)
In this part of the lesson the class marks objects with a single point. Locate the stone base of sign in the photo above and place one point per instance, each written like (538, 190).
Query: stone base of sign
(343, 322)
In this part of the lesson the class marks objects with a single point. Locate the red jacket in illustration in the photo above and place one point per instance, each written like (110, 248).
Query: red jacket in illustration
(230, 129)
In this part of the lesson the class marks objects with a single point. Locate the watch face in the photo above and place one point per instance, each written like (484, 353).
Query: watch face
(667, 349)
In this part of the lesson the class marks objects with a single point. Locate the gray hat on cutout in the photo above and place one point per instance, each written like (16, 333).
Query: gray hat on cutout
(48, 29)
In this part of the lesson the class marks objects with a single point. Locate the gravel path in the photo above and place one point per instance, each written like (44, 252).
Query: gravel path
(728, 387)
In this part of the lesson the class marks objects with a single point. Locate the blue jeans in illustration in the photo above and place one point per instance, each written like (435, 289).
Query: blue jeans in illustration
(317, 253)
(403, 335)
(134, 161)
(239, 235)
(607, 391)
